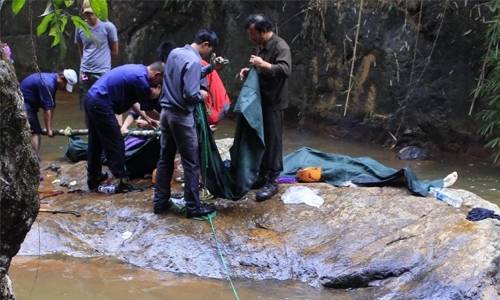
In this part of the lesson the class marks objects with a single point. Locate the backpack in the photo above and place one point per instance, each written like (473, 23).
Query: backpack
(218, 101)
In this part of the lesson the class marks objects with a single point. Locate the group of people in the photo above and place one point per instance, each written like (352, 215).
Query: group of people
(171, 87)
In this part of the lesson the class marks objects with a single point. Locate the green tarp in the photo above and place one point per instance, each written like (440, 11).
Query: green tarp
(247, 150)
(363, 170)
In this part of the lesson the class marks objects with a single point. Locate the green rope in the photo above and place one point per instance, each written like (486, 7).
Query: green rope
(209, 217)
(223, 260)
(204, 138)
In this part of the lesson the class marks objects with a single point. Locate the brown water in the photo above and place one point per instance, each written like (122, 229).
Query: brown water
(95, 279)
(99, 280)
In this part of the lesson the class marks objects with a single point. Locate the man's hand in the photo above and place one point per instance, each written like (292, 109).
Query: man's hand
(258, 62)
(204, 95)
(152, 123)
(141, 123)
(124, 130)
(244, 73)
(218, 61)
(50, 133)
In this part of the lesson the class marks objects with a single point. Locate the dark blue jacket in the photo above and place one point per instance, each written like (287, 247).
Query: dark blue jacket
(39, 91)
(123, 86)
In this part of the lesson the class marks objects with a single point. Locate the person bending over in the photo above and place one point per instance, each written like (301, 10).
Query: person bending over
(114, 93)
(39, 91)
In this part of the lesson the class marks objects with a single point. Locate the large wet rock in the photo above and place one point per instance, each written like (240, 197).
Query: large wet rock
(375, 242)
(19, 173)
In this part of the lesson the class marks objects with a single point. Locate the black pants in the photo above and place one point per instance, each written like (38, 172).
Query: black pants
(178, 133)
(85, 85)
(104, 134)
(272, 161)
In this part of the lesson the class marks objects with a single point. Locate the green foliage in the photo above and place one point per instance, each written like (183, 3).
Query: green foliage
(55, 18)
(489, 90)
(17, 5)
(100, 8)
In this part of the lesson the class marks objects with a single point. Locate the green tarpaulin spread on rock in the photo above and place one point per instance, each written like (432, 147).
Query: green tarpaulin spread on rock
(337, 169)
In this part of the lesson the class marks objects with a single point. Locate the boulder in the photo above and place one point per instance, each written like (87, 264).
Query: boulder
(19, 173)
(413, 153)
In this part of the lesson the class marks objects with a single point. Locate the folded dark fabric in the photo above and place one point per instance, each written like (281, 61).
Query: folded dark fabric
(478, 214)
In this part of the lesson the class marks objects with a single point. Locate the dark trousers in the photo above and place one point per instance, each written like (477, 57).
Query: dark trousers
(178, 133)
(272, 161)
(85, 85)
(104, 134)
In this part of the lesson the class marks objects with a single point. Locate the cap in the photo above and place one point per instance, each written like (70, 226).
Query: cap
(87, 7)
(71, 78)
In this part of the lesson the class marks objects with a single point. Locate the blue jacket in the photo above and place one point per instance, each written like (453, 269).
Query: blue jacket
(123, 86)
(39, 91)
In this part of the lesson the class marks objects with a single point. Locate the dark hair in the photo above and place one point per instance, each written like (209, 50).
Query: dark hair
(206, 35)
(164, 50)
(157, 66)
(261, 22)
(61, 73)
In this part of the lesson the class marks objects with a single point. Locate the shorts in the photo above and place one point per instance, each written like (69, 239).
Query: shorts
(34, 122)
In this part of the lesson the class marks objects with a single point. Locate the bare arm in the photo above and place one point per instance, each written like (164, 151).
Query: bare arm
(47, 117)
(80, 49)
(137, 108)
(128, 121)
(114, 49)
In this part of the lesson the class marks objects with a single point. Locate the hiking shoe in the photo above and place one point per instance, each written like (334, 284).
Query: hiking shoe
(267, 192)
(162, 206)
(201, 211)
(93, 184)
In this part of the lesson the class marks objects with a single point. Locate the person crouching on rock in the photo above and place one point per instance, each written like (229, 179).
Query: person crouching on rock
(114, 93)
(39, 91)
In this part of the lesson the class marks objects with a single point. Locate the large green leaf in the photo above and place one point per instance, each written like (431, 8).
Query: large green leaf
(54, 33)
(17, 5)
(79, 23)
(62, 45)
(100, 8)
(43, 25)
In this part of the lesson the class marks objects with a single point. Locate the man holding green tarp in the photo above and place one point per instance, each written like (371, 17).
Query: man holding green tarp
(274, 65)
